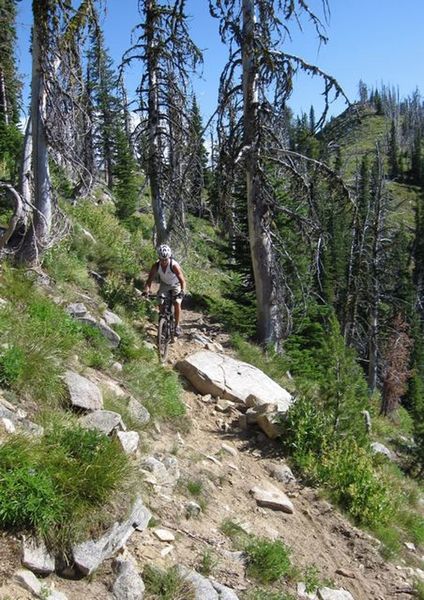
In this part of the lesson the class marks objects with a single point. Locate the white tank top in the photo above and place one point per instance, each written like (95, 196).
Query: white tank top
(168, 277)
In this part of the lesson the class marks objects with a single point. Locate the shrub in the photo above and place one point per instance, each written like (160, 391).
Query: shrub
(347, 471)
(306, 434)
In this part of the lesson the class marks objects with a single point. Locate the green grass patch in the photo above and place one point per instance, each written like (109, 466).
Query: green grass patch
(54, 485)
(194, 487)
(166, 584)
(207, 563)
(267, 561)
(157, 388)
(37, 336)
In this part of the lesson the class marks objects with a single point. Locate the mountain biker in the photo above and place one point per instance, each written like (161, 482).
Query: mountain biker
(171, 278)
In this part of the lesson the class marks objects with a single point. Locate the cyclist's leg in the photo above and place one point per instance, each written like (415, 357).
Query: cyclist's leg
(177, 310)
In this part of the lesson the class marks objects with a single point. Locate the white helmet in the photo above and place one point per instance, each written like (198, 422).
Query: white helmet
(164, 251)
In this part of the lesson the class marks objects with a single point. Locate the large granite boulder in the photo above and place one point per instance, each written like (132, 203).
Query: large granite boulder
(223, 376)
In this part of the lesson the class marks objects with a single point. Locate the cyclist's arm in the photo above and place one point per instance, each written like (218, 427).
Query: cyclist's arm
(150, 278)
(178, 272)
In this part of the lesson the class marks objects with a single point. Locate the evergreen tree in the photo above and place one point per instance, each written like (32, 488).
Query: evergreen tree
(125, 178)
(105, 107)
(363, 92)
(198, 159)
(378, 103)
(10, 86)
(312, 122)
(416, 160)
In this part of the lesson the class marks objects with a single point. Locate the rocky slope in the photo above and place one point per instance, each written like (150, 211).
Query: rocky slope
(194, 479)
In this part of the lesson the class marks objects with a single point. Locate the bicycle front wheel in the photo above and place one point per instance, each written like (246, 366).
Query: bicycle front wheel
(163, 339)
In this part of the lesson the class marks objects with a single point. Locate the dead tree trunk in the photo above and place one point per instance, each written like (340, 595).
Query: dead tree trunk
(154, 159)
(37, 235)
(259, 214)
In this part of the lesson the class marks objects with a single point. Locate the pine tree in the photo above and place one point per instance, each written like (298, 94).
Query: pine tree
(125, 178)
(10, 86)
(105, 108)
(416, 160)
(198, 160)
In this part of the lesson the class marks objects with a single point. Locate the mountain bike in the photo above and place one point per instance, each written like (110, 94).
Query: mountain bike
(166, 322)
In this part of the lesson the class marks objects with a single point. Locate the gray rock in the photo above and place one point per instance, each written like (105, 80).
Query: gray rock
(31, 428)
(83, 393)
(29, 582)
(281, 473)
(166, 472)
(378, 448)
(128, 584)
(224, 592)
(105, 421)
(111, 318)
(270, 425)
(117, 366)
(87, 319)
(273, 498)
(203, 589)
(193, 509)
(138, 412)
(77, 310)
(36, 557)
(111, 336)
(329, 594)
(7, 425)
(3, 303)
(89, 555)
(129, 441)
(230, 379)
(302, 594)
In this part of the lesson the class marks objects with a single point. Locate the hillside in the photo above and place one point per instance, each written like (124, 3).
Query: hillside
(224, 462)
(211, 460)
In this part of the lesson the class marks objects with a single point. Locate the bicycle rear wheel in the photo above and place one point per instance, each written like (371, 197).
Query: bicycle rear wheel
(163, 339)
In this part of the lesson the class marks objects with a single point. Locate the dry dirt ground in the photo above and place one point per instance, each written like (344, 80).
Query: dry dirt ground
(316, 533)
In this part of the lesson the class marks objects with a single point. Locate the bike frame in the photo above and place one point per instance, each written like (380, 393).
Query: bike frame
(165, 324)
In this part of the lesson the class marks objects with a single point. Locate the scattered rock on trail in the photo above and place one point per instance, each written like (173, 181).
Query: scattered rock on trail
(329, 594)
(129, 441)
(230, 379)
(281, 473)
(83, 393)
(36, 557)
(105, 421)
(30, 582)
(271, 497)
(89, 555)
(128, 584)
(205, 589)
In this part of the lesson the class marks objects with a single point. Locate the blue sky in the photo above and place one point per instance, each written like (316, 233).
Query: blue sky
(378, 41)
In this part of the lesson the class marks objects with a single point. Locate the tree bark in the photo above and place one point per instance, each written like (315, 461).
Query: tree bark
(3, 98)
(38, 233)
(261, 249)
(154, 162)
